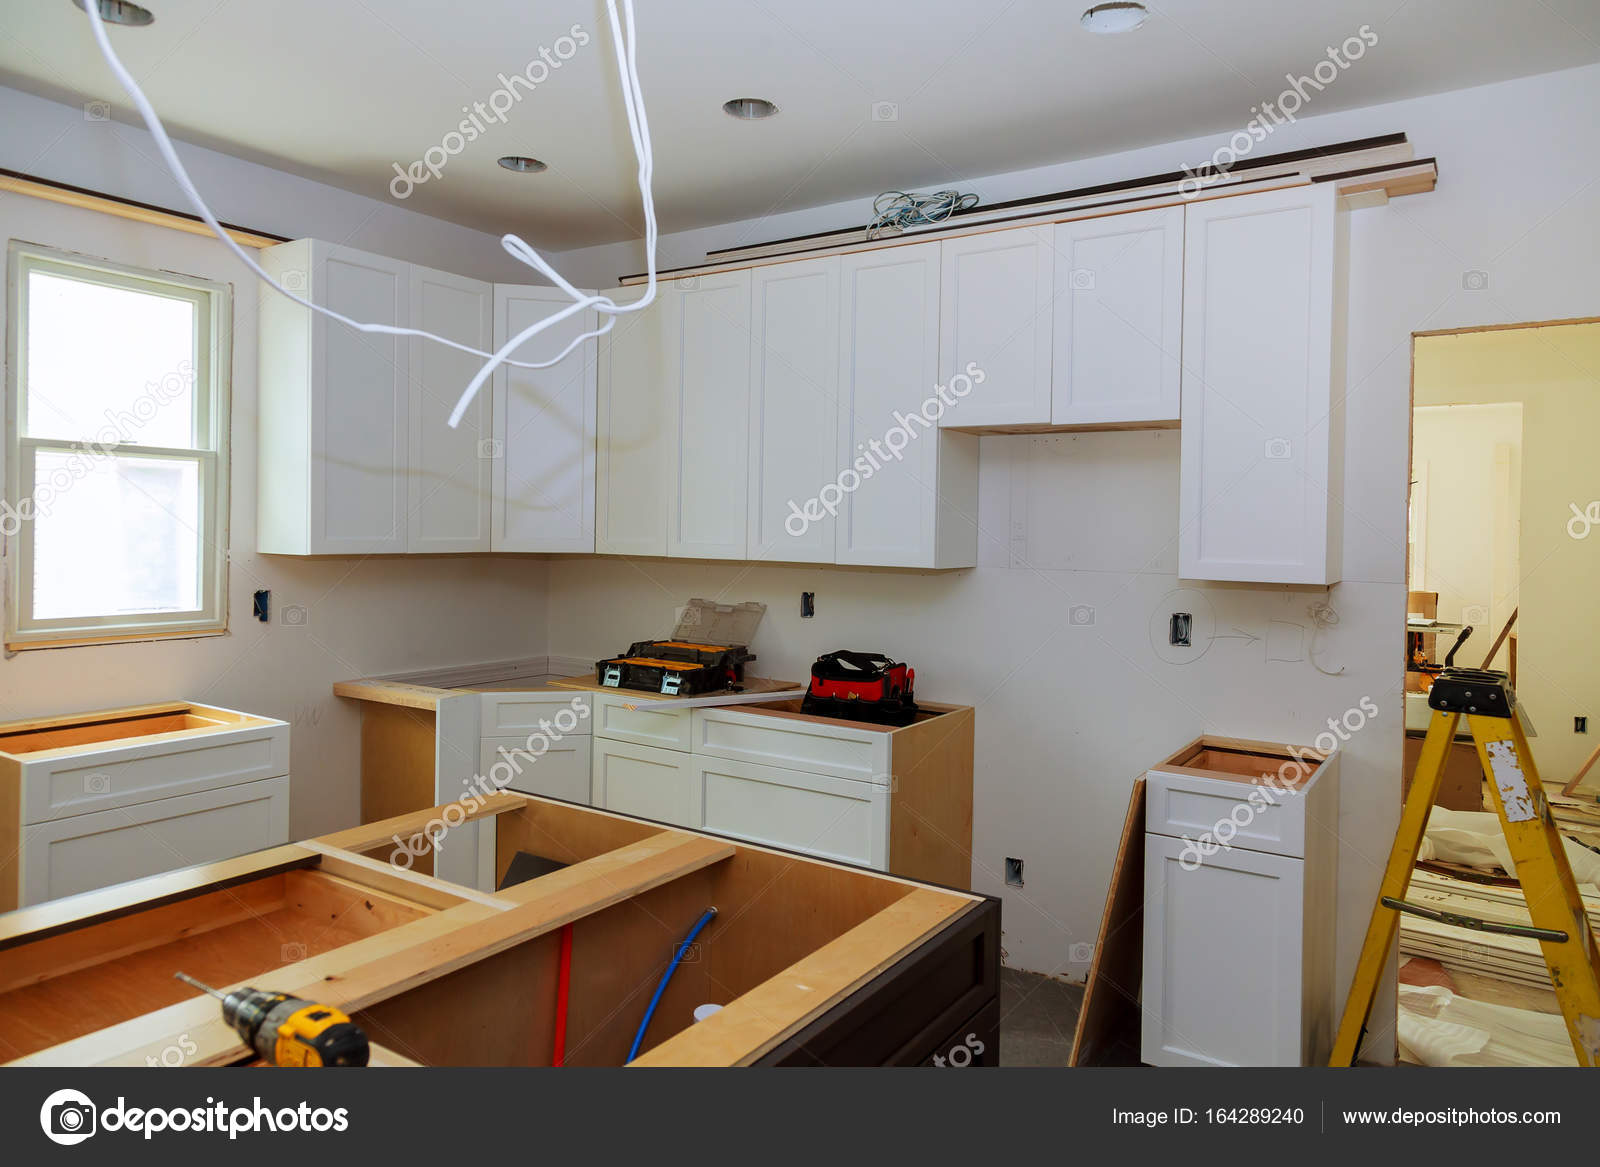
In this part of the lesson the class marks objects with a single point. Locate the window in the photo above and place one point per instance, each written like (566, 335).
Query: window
(115, 512)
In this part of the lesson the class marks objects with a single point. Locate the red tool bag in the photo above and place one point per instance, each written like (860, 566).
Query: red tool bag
(861, 686)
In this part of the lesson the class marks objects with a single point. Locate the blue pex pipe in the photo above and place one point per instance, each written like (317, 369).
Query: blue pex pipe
(666, 978)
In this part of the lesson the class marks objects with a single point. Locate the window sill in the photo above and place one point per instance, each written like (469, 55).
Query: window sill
(15, 646)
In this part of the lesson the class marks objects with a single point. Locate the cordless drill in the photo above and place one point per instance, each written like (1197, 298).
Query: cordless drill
(289, 1031)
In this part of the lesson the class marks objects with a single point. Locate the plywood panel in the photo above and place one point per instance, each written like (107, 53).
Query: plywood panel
(397, 761)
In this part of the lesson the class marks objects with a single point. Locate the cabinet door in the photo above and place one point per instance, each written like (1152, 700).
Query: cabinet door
(360, 405)
(1258, 403)
(794, 407)
(1222, 956)
(888, 366)
(563, 771)
(835, 818)
(708, 453)
(448, 474)
(634, 428)
(1119, 318)
(544, 428)
(994, 313)
(71, 855)
(644, 781)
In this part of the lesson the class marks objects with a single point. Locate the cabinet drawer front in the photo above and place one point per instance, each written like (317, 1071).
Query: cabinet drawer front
(73, 855)
(842, 750)
(669, 729)
(562, 771)
(834, 818)
(105, 779)
(1222, 957)
(1258, 818)
(520, 713)
(650, 783)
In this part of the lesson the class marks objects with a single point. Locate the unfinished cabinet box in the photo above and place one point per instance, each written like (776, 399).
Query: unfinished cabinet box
(814, 963)
(1241, 870)
(98, 798)
(1262, 451)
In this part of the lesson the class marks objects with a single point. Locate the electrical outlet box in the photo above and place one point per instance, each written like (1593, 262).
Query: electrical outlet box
(1013, 872)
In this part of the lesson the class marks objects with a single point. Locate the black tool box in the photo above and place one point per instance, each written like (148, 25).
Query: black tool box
(861, 686)
(675, 668)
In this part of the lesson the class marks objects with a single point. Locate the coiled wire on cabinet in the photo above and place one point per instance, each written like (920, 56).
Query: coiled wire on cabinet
(896, 210)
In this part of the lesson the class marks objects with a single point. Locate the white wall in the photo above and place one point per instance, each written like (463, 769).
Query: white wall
(1468, 461)
(1552, 375)
(1068, 715)
(364, 616)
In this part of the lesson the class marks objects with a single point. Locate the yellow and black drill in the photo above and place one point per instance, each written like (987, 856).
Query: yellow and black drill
(289, 1031)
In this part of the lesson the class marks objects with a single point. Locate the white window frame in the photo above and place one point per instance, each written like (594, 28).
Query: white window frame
(212, 365)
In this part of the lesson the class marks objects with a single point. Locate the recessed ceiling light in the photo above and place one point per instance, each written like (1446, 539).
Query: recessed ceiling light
(1109, 19)
(522, 164)
(121, 12)
(749, 109)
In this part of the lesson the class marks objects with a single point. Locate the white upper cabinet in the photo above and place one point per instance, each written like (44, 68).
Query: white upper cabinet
(1262, 426)
(794, 407)
(1118, 318)
(707, 387)
(334, 425)
(907, 492)
(448, 471)
(635, 424)
(994, 313)
(543, 454)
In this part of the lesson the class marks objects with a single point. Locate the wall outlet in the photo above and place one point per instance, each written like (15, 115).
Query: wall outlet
(1180, 629)
(1580, 725)
(1013, 872)
(808, 605)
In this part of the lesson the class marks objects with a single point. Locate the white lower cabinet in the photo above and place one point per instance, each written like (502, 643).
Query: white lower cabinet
(1241, 869)
(1224, 941)
(562, 771)
(646, 781)
(66, 856)
(837, 818)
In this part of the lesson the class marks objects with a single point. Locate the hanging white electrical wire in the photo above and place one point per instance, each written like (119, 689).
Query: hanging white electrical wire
(623, 41)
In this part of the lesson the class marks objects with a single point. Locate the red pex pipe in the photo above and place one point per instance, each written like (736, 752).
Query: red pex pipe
(563, 985)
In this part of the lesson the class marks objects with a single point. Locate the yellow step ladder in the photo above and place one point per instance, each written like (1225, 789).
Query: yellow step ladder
(1560, 924)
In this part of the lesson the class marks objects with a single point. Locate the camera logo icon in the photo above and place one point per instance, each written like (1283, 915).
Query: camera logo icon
(490, 448)
(67, 1117)
(97, 784)
(1083, 279)
(1080, 615)
(97, 111)
(885, 111)
(1475, 281)
(294, 615)
(1277, 449)
(295, 281)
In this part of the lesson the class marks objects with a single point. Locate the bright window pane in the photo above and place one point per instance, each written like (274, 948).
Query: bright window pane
(107, 364)
(115, 535)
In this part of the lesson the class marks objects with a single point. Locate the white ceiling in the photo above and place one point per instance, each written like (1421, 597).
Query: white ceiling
(340, 89)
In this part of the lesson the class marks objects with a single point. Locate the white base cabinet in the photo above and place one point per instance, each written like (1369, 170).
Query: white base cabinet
(836, 818)
(120, 794)
(1240, 880)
